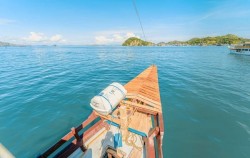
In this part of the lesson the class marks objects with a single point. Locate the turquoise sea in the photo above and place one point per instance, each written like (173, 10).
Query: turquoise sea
(205, 93)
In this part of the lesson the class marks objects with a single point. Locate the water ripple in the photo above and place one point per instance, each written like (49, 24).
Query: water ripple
(205, 94)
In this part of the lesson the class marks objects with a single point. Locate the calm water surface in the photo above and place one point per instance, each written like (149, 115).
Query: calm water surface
(205, 92)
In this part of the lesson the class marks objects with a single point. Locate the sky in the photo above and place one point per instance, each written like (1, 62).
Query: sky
(87, 22)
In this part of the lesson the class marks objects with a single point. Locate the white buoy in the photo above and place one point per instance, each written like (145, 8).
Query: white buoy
(108, 99)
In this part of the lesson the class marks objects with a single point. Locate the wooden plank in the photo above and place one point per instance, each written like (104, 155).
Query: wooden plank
(149, 145)
(159, 144)
(85, 137)
(153, 132)
(146, 85)
(161, 123)
(140, 121)
(159, 137)
(135, 153)
(91, 118)
(151, 148)
(145, 88)
(57, 145)
(93, 130)
(140, 97)
(141, 106)
(79, 141)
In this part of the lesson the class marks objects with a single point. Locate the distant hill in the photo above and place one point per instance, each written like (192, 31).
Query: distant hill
(206, 41)
(217, 40)
(5, 44)
(133, 41)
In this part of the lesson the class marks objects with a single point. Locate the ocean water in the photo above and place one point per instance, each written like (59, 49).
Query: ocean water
(205, 93)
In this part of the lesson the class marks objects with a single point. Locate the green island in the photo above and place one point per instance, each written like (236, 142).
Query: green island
(228, 39)
(134, 41)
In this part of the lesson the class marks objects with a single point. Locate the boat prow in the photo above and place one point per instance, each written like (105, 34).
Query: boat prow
(133, 129)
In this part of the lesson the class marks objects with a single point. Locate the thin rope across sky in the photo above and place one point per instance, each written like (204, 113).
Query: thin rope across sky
(137, 13)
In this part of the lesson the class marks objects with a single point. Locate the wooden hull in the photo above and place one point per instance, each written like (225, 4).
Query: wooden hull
(144, 126)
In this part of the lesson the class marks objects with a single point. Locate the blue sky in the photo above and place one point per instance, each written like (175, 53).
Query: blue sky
(112, 21)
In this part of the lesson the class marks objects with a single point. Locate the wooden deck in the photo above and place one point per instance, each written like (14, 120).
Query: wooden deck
(144, 97)
(104, 138)
(143, 94)
(141, 122)
(145, 88)
(146, 122)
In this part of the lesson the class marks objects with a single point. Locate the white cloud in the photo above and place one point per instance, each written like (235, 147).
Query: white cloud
(113, 38)
(103, 40)
(130, 34)
(42, 38)
(57, 38)
(36, 37)
(5, 21)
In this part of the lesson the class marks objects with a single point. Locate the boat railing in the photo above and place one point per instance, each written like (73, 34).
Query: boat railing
(73, 140)
(233, 47)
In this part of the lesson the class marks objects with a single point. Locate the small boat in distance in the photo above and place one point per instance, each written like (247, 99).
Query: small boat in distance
(241, 49)
(126, 122)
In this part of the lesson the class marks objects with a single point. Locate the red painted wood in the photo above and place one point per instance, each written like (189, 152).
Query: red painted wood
(85, 136)
(153, 132)
(160, 121)
(150, 149)
(159, 137)
(91, 118)
(68, 136)
(159, 144)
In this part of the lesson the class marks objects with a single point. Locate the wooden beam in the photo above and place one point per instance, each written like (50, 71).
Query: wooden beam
(159, 144)
(145, 84)
(144, 99)
(149, 145)
(85, 137)
(68, 136)
(161, 123)
(154, 132)
(79, 141)
(57, 145)
(146, 111)
(91, 118)
(149, 108)
(159, 137)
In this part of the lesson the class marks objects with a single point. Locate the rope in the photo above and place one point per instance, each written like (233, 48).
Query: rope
(131, 138)
(138, 16)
